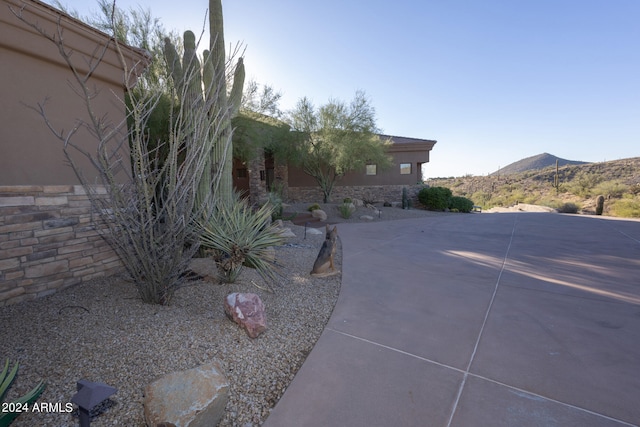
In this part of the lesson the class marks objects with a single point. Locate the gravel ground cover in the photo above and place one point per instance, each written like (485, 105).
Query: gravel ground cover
(100, 331)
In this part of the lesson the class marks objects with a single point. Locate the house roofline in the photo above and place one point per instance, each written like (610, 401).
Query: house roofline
(407, 140)
(403, 143)
(138, 59)
(136, 50)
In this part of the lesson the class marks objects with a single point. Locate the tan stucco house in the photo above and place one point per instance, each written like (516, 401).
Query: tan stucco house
(46, 238)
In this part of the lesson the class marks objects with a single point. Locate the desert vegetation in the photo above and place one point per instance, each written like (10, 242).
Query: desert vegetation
(577, 190)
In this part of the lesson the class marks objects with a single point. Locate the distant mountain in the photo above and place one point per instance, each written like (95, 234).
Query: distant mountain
(538, 162)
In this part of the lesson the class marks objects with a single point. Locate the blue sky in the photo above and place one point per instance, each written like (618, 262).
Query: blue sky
(493, 81)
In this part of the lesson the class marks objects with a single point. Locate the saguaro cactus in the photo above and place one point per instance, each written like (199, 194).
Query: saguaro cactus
(599, 205)
(188, 77)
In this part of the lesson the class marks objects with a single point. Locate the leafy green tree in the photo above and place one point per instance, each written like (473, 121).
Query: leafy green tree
(263, 99)
(335, 139)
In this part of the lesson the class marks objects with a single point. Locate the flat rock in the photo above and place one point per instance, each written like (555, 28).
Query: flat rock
(366, 217)
(196, 397)
(314, 231)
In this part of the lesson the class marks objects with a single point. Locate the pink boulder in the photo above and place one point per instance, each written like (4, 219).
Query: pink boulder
(247, 310)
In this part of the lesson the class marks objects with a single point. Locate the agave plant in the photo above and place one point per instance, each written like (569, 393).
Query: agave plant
(6, 379)
(238, 236)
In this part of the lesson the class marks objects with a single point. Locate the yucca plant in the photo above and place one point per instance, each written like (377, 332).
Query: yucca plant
(238, 236)
(6, 379)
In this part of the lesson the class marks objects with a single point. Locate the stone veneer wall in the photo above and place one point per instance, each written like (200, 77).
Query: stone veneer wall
(47, 242)
(257, 188)
(377, 193)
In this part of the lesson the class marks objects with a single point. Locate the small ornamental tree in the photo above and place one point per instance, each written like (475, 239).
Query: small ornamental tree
(335, 139)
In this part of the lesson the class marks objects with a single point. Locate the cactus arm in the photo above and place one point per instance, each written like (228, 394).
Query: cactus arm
(173, 63)
(208, 75)
(191, 66)
(216, 34)
(236, 90)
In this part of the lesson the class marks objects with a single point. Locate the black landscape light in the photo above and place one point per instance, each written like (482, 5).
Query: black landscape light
(89, 396)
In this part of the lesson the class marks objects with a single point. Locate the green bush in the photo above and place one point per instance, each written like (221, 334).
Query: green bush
(347, 200)
(460, 204)
(313, 207)
(435, 198)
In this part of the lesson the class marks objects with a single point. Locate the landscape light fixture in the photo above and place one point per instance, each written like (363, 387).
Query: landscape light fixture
(89, 396)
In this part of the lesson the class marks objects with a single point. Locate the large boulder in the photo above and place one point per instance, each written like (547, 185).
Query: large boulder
(320, 214)
(247, 310)
(193, 398)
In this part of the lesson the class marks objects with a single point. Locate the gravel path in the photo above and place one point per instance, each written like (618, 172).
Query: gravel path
(101, 331)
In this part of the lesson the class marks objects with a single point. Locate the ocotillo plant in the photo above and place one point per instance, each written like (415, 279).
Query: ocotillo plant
(191, 74)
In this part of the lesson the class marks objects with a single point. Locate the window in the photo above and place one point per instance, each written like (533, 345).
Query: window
(372, 170)
(405, 168)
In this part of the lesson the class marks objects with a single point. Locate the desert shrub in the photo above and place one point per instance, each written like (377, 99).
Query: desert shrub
(627, 207)
(347, 200)
(481, 197)
(313, 207)
(368, 201)
(615, 189)
(583, 184)
(435, 198)
(460, 204)
(568, 207)
(237, 236)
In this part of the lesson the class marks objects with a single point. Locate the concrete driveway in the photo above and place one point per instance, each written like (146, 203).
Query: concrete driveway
(514, 319)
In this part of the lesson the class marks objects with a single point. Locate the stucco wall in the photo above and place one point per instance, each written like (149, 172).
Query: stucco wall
(33, 72)
(47, 241)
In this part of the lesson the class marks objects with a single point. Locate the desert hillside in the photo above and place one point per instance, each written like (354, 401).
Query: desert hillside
(577, 186)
